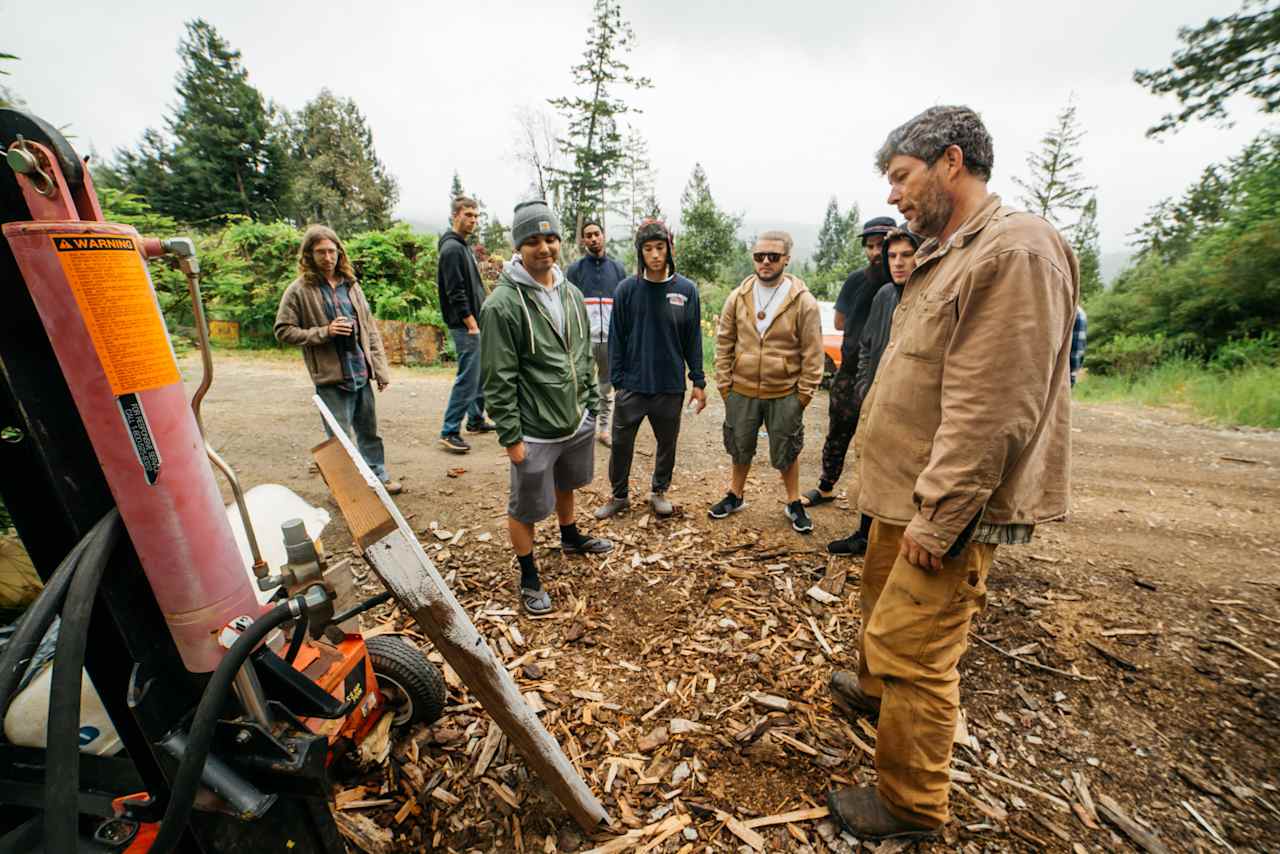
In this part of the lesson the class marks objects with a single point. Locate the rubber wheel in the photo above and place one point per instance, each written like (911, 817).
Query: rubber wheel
(411, 685)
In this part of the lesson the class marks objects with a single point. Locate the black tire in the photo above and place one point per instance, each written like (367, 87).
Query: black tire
(412, 686)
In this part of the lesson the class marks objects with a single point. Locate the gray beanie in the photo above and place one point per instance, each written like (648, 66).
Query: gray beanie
(531, 219)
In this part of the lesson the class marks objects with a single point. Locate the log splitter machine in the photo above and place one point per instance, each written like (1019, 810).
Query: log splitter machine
(229, 719)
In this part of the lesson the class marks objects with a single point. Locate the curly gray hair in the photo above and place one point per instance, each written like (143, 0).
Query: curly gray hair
(932, 132)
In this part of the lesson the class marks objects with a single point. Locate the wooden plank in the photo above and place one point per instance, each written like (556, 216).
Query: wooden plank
(368, 520)
(409, 574)
(1139, 835)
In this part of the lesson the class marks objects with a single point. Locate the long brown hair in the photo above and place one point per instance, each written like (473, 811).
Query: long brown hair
(307, 265)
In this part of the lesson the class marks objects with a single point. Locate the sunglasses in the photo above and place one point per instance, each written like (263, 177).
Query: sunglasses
(771, 257)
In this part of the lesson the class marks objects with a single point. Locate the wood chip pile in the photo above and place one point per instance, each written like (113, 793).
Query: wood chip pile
(685, 677)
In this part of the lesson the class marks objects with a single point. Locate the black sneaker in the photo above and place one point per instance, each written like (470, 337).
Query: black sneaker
(455, 444)
(587, 546)
(799, 519)
(725, 506)
(855, 544)
(485, 426)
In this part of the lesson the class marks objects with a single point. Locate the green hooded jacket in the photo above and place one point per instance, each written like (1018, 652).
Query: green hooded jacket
(537, 383)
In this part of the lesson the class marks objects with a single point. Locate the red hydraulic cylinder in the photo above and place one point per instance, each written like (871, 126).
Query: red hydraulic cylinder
(95, 298)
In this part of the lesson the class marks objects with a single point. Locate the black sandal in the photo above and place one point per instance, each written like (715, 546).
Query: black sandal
(815, 498)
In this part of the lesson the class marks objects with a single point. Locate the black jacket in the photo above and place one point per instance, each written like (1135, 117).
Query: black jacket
(655, 335)
(459, 282)
(874, 338)
(854, 302)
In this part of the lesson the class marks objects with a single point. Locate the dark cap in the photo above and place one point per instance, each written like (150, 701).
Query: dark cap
(877, 225)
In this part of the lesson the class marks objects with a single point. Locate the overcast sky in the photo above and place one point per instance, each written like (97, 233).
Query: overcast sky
(784, 103)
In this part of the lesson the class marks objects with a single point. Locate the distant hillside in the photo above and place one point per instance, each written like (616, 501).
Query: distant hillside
(1111, 264)
(422, 226)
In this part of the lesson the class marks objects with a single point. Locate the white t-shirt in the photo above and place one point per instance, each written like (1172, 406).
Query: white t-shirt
(770, 300)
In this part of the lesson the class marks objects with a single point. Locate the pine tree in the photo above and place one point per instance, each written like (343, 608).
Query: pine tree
(1238, 54)
(833, 240)
(9, 98)
(225, 150)
(707, 234)
(593, 144)
(339, 179)
(638, 179)
(1085, 242)
(1056, 188)
(455, 188)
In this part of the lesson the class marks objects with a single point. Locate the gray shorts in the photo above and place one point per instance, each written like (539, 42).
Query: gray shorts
(784, 418)
(547, 467)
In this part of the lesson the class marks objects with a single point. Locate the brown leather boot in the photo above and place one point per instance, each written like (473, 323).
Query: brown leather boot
(862, 813)
(848, 696)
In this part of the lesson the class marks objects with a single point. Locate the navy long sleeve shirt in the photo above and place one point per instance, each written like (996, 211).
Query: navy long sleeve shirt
(655, 332)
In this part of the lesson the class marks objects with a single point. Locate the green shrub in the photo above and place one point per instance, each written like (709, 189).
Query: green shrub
(1127, 355)
(1237, 354)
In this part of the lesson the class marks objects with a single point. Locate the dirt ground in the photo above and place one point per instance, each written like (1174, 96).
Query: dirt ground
(1158, 604)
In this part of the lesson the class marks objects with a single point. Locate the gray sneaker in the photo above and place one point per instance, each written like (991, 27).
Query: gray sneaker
(613, 507)
(661, 506)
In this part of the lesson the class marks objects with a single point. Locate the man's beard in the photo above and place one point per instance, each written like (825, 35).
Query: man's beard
(934, 210)
(770, 281)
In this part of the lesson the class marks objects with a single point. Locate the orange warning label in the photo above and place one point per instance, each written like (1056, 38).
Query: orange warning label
(110, 283)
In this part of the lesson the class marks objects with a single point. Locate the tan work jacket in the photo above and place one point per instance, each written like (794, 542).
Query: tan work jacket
(787, 358)
(301, 320)
(971, 405)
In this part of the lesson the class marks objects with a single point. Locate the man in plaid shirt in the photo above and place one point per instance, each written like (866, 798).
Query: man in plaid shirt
(1078, 335)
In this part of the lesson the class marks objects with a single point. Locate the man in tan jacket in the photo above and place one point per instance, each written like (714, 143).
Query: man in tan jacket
(965, 445)
(325, 313)
(768, 366)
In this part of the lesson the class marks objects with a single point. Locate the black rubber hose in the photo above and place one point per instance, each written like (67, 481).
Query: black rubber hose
(62, 740)
(299, 634)
(182, 793)
(39, 615)
(366, 605)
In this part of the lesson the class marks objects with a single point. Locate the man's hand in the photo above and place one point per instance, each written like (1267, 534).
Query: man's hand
(918, 555)
(472, 327)
(340, 326)
(804, 401)
(515, 453)
(699, 395)
(382, 384)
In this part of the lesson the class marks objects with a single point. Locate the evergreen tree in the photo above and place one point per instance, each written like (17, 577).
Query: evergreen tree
(9, 98)
(1056, 187)
(339, 179)
(494, 237)
(225, 150)
(652, 210)
(833, 240)
(1238, 54)
(593, 144)
(638, 179)
(455, 189)
(1085, 242)
(708, 235)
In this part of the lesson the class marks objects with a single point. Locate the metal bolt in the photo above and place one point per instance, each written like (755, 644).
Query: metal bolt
(20, 160)
(243, 736)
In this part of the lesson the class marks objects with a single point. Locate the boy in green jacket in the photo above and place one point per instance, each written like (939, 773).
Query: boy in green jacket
(538, 373)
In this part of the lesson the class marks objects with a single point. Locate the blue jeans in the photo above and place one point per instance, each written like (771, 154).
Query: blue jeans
(354, 410)
(465, 399)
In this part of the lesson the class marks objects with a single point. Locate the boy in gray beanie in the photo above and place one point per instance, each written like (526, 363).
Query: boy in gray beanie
(539, 383)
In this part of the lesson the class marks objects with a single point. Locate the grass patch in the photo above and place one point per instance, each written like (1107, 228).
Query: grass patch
(1249, 396)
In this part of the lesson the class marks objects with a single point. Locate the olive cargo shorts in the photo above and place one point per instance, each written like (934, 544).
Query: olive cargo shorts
(784, 418)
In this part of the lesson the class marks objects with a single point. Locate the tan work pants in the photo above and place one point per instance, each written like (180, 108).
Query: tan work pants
(915, 628)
